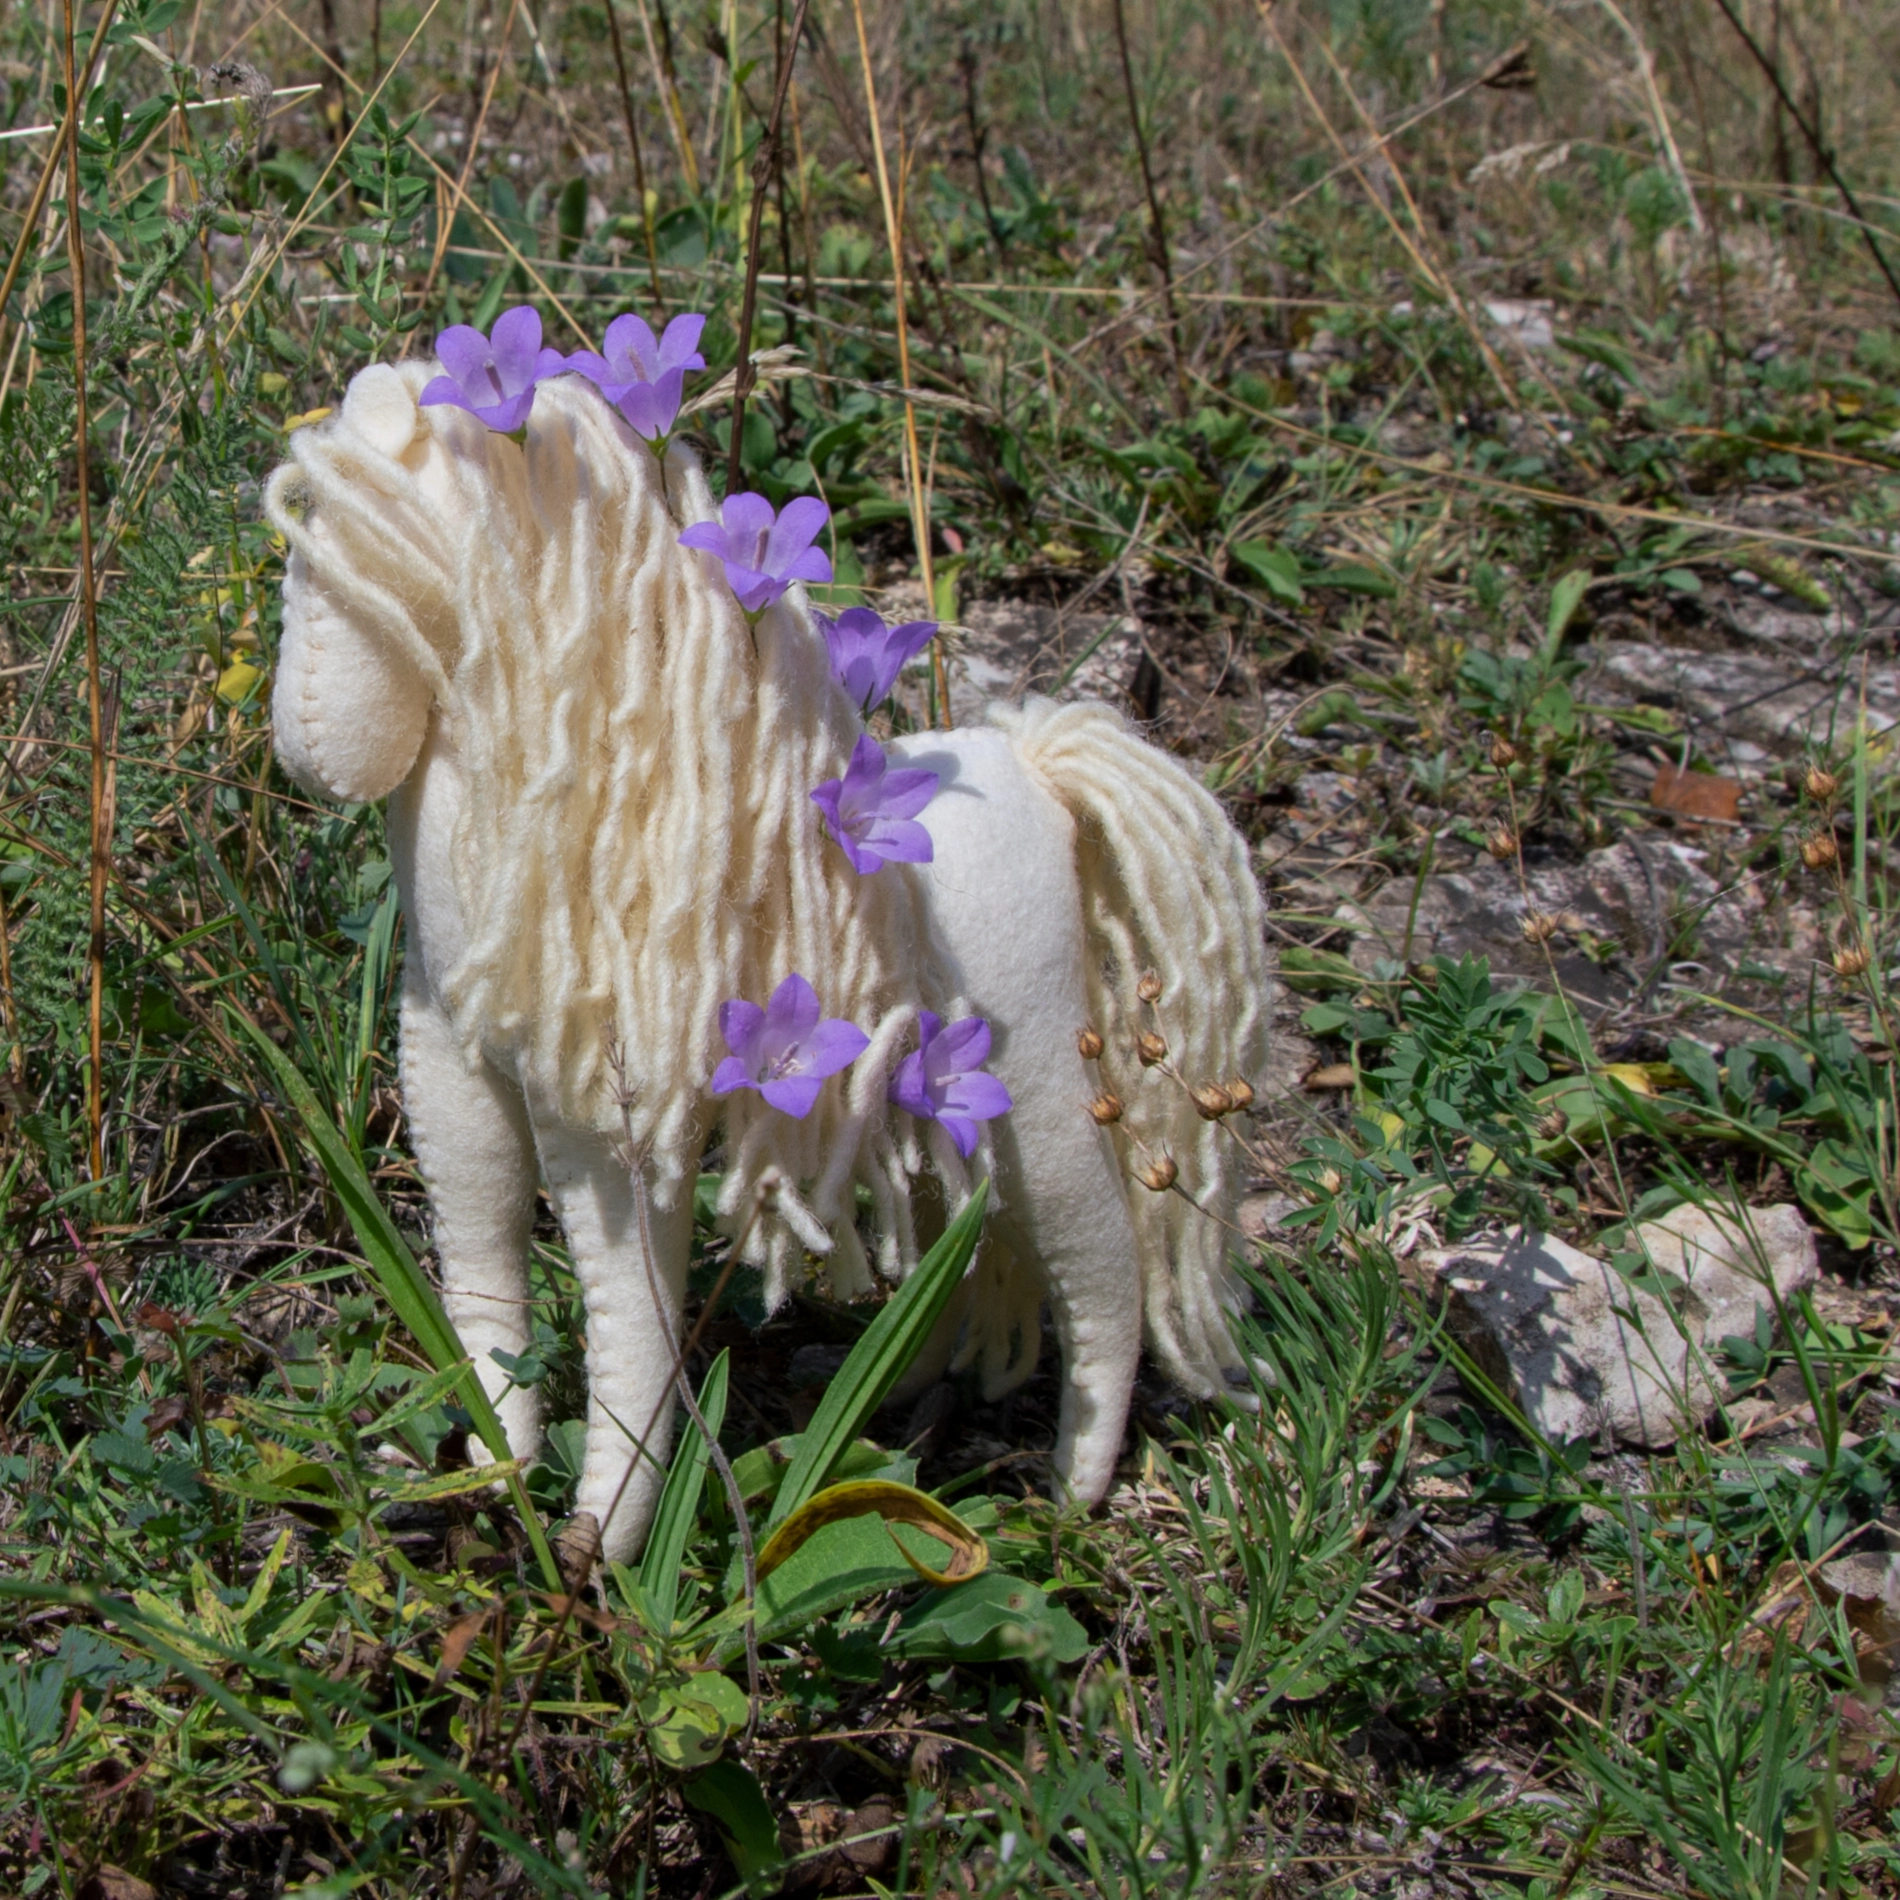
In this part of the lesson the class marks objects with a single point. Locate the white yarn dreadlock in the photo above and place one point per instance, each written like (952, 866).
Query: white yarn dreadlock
(637, 843)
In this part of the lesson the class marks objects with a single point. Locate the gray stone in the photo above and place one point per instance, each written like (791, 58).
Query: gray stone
(1867, 1587)
(1006, 648)
(1583, 1351)
(1727, 1261)
(1543, 1322)
(1626, 898)
(1782, 700)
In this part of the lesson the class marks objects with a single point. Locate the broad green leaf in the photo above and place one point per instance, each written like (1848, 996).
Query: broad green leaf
(1350, 578)
(992, 1618)
(405, 1286)
(1565, 598)
(731, 1794)
(1276, 568)
(875, 1363)
(688, 1723)
(679, 1502)
(1599, 347)
(842, 1564)
(892, 1504)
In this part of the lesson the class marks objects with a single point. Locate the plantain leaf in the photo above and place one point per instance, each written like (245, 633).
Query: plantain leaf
(731, 1794)
(889, 1344)
(842, 1563)
(405, 1286)
(895, 1504)
(1565, 598)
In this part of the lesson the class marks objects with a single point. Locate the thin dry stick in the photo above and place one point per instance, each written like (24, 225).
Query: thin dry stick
(15, 1064)
(1823, 152)
(1647, 68)
(1556, 497)
(1426, 269)
(95, 702)
(1493, 74)
(508, 246)
(447, 221)
(762, 166)
(670, 98)
(1441, 273)
(30, 223)
(913, 464)
(633, 145)
(1156, 223)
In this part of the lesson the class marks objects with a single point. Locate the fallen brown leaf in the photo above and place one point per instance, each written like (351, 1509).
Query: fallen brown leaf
(114, 1883)
(1695, 794)
(457, 1641)
(167, 1415)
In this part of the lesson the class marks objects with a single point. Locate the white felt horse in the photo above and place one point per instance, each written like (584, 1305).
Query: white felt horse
(601, 829)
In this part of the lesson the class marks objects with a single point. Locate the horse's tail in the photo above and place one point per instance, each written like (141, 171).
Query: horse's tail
(1167, 889)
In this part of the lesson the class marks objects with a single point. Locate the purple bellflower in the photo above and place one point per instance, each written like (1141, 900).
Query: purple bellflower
(872, 810)
(764, 553)
(641, 376)
(784, 1050)
(494, 376)
(866, 655)
(944, 1080)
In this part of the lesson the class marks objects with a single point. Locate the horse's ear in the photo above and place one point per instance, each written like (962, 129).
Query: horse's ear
(379, 407)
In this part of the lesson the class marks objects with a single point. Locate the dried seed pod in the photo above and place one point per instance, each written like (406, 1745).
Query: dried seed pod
(1539, 926)
(1211, 1102)
(1149, 988)
(1240, 1093)
(1106, 1108)
(1150, 1048)
(1502, 843)
(1159, 1175)
(1331, 1180)
(1088, 1043)
(1851, 959)
(1820, 784)
(1550, 1126)
(1819, 850)
(1503, 752)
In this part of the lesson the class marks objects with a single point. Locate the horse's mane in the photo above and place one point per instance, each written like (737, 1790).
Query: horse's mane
(637, 843)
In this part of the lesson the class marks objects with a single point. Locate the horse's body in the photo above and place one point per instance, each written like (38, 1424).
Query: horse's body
(1014, 931)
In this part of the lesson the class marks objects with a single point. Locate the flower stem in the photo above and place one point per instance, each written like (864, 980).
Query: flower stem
(762, 167)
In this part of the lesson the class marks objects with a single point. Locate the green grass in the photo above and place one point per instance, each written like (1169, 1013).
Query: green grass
(262, 1630)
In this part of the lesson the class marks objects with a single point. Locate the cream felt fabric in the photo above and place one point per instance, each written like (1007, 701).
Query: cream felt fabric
(602, 830)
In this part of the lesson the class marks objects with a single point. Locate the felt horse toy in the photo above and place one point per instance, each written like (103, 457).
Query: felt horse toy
(600, 773)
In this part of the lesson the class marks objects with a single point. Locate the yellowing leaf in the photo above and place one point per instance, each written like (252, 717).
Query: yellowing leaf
(236, 681)
(304, 421)
(895, 1504)
(1640, 1078)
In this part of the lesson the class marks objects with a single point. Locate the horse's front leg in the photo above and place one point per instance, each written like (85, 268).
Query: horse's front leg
(633, 1280)
(472, 1142)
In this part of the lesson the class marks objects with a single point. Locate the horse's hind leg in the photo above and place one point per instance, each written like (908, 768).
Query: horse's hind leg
(1007, 919)
(633, 1313)
(472, 1140)
(1065, 1209)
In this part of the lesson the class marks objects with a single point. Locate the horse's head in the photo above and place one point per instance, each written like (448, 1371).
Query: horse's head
(434, 563)
(363, 502)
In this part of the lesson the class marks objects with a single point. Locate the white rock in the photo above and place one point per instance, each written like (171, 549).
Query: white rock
(1729, 1260)
(1582, 1350)
(1545, 1323)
